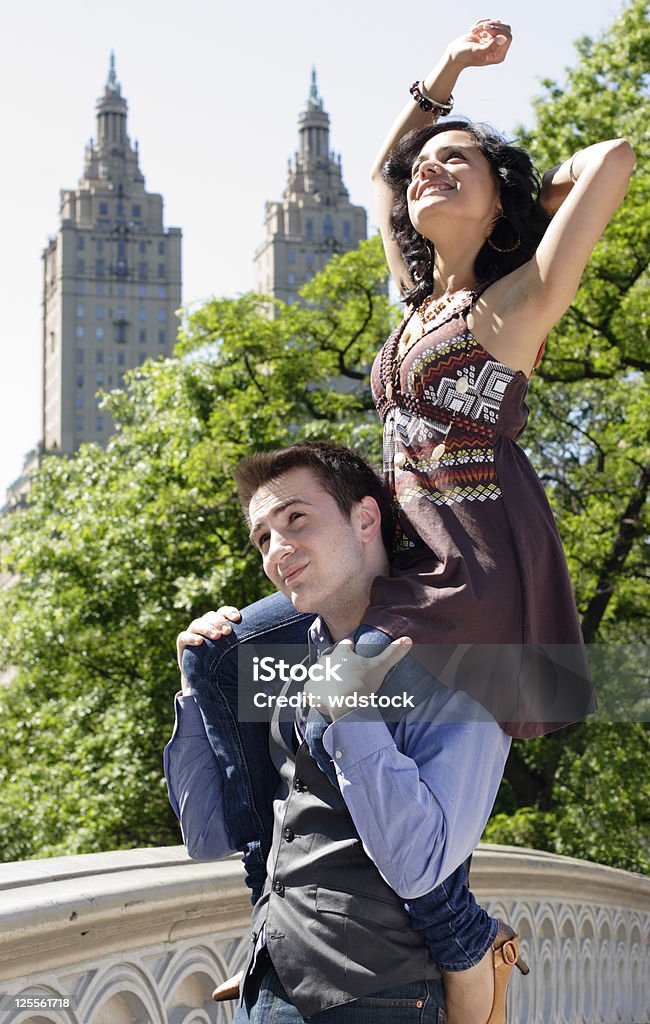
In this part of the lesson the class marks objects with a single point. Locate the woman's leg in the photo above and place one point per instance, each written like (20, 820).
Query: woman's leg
(242, 747)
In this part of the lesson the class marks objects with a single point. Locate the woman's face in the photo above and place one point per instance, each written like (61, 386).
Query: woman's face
(452, 179)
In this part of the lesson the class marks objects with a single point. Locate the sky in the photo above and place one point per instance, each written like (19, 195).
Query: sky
(214, 92)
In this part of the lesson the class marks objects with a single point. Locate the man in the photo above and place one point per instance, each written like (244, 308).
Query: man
(366, 808)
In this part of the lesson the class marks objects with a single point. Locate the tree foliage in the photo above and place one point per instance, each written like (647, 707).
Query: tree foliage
(119, 547)
(586, 792)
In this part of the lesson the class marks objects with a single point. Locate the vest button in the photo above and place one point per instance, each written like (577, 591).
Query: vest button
(279, 888)
(299, 785)
(289, 834)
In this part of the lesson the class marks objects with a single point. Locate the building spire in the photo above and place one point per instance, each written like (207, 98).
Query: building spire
(112, 84)
(314, 102)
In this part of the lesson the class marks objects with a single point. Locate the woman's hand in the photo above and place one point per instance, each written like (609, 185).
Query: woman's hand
(487, 42)
(212, 625)
(353, 676)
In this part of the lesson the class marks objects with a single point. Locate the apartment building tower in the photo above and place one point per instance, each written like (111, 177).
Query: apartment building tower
(315, 218)
(111, 282)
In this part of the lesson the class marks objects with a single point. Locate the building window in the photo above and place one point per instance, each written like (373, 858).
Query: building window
(79, 356)
(79, 424)
(309, 257)
(100, 288)
(121, 332)
(162, 337)
(142, 291)
(81, 242)
(80, 331)
(99, 377)
(79, 401)
(121, 315)
(162, 315)
(99, 357)
(347, 230)
(120, 209)
(291, 255)
(121, 359)
(309, 228)
(103, 209)
(142, 247)
(79, 288)
(142, 335)
(142, 269)
(328, 226)
(121, 268)
(100, 245)
(81, 267)
(80, 311)
(100, 267)
(80, 380)
(136, 211)
(99, 423)
(121, 248)
(99, 332)
(161, 270)
(142, 313)
(161, 248)
(99, 312)
(120, 379)
(162, 291)
(141, 360)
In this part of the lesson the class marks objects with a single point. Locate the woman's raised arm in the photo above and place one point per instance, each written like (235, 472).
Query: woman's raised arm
(517, 312)
(487, 42)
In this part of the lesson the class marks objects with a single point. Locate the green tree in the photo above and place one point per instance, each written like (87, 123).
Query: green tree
(586, 790)
(118, 547)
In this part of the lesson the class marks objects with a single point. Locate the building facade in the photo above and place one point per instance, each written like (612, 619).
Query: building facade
(315, 218)
(111, 283)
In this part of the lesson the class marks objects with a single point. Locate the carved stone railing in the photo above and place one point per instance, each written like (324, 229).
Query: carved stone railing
(143, 936)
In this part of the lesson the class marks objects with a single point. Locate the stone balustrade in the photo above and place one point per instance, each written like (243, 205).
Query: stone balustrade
(142, 937)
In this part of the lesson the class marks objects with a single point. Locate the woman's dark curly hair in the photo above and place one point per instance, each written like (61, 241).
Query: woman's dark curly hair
(518, 184)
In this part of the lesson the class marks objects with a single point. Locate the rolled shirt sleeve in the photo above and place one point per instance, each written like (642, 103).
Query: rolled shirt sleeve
(194, 785)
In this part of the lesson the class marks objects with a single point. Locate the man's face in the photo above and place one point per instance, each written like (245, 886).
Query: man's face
(310, 550)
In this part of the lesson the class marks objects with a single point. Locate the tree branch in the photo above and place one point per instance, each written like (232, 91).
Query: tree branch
(628, 530)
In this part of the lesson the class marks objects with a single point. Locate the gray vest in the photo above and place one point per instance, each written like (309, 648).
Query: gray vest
(334, 929)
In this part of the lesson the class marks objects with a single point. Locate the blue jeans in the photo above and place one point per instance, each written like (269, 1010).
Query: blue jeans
(266, 1002)
(457, 931)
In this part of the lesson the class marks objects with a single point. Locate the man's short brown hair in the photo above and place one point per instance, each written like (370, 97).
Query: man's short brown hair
(342, 472)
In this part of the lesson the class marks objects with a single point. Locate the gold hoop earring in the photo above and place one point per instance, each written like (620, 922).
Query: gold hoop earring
(497, 248)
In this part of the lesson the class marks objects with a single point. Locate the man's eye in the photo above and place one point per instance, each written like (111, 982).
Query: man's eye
(295, 515)
(262, 540)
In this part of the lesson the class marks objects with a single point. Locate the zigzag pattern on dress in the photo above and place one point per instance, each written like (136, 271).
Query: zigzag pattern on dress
(433, 376)
(408, 492)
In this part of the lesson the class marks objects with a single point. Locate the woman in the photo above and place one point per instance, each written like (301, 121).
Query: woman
(485, 277)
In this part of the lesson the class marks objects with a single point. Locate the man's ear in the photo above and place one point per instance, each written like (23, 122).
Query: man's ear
(369, 518)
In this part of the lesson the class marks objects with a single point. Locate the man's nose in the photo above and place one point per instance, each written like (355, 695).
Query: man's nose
(279, 546)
